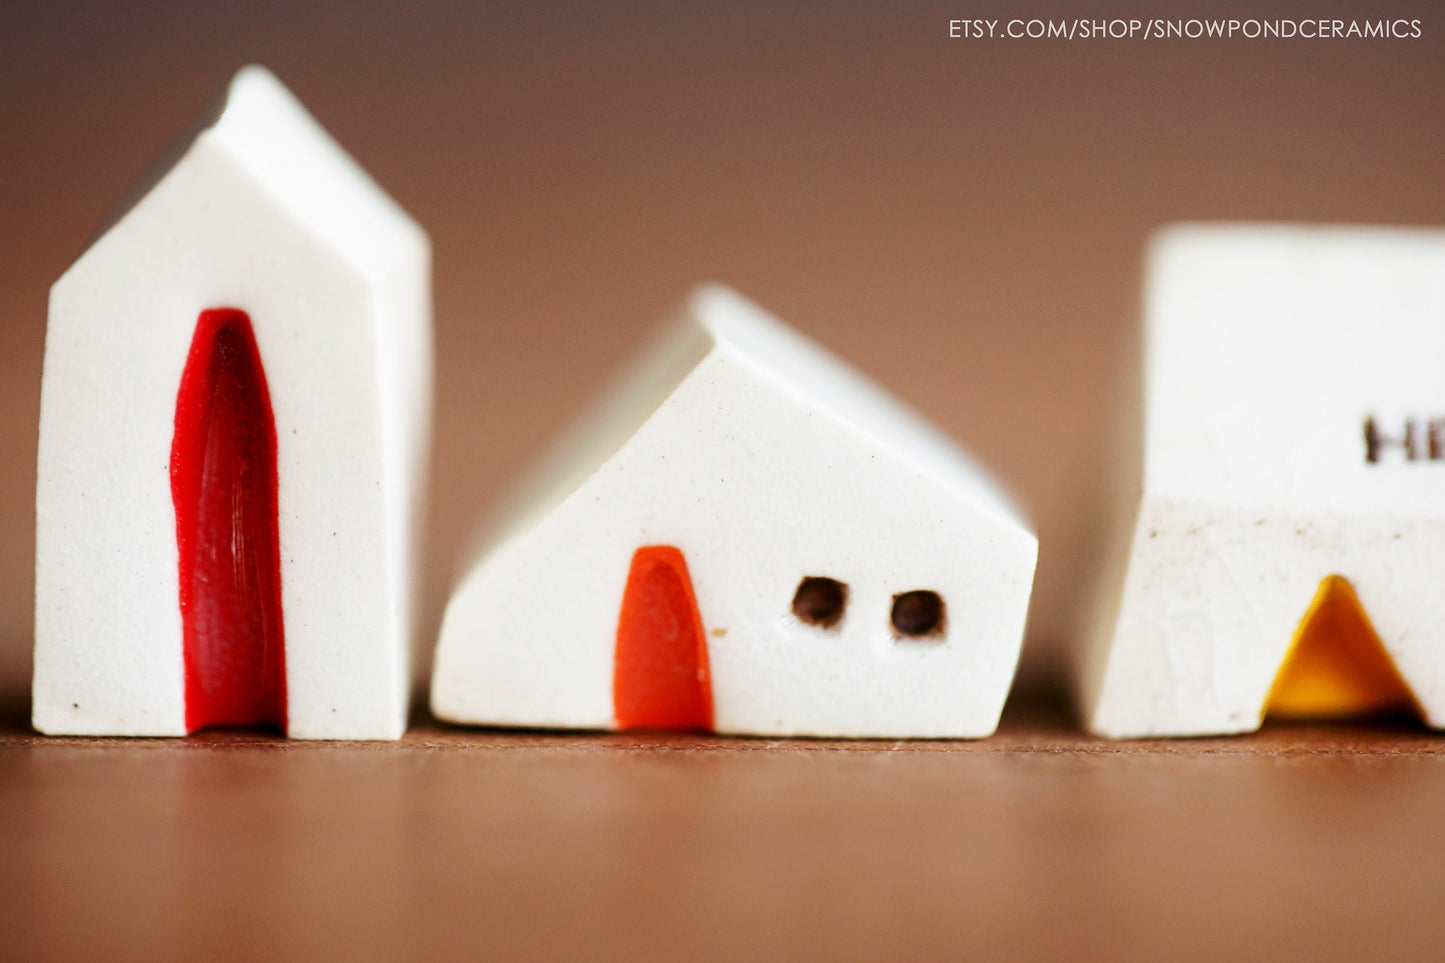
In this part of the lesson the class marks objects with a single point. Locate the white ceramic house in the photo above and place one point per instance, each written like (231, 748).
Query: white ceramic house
(234, 425)
(1292, 448)
(749, 537)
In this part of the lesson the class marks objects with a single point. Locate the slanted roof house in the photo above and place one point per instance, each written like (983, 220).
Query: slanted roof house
(749, 537)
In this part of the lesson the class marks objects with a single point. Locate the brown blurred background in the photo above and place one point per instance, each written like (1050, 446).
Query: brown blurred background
(961, 219)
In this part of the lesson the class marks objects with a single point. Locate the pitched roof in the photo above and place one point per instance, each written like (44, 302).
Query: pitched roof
(857, 400)
(272, 138)
(713, 318)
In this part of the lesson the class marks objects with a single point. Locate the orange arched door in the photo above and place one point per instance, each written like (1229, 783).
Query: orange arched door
(660, 674)
(224, 486)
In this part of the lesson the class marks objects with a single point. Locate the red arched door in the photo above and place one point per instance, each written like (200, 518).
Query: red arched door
(223, 484)
(660, 674)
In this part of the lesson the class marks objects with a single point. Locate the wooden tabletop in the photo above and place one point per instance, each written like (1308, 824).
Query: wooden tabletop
(1295, 843)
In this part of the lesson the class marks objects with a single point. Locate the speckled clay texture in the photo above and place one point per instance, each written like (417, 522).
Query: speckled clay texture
(1266, 349)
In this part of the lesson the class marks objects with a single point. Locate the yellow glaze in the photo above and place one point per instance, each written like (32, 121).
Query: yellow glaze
(1336, 667)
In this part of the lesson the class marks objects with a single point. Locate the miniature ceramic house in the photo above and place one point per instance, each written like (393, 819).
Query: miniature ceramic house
(234, 420)
(747, 537)
(1281, 541)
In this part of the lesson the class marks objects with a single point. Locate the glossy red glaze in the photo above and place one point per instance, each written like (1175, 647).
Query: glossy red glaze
(660, 675)
(224, 486)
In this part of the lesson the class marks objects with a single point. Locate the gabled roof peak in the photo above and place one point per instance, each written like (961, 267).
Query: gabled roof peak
(807, 369)
(261, 128)
(277, 141)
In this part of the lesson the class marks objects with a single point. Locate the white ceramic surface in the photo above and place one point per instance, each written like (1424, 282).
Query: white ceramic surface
(764, 460)
(266, 213)
(1266, 348)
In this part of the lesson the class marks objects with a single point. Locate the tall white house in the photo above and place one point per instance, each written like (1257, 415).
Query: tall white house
(235, 418)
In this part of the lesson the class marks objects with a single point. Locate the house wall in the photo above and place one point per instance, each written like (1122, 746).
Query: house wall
(758, 488)
(108, 654)
(1266, 349)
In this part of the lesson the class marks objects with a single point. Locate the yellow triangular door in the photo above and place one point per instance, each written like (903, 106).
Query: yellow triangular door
(1336, 667)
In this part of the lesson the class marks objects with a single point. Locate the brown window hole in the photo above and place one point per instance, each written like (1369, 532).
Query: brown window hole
(820, 601)
(918, 614)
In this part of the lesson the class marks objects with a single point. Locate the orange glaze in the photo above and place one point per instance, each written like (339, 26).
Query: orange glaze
(1337, 668)
(660, 675)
